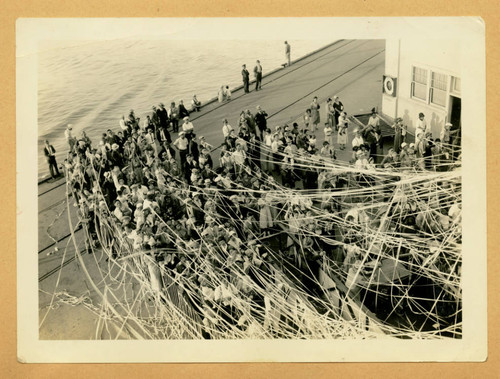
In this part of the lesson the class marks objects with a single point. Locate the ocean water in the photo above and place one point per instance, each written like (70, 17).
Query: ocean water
(92, 84)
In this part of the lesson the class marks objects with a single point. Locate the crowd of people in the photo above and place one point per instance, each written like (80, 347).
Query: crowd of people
(140, 190)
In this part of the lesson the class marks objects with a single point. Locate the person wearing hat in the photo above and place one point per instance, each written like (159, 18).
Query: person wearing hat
(398, 136)
(404, 156)
(174, 117)
(163, 136)
(374, 121)
(246, 78)
(338, 108)
(187, 127)
(445, 135)
(50, 154)
(182, 144)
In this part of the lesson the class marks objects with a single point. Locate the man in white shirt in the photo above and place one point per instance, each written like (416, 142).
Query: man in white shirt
(182, 144)
(187, 127)
(226, 128)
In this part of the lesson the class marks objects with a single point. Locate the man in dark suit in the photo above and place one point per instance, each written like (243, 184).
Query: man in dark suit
(163, 115)
(50, 153)
(246, 78)
(258, 75)
(183, 112)
(260, 120)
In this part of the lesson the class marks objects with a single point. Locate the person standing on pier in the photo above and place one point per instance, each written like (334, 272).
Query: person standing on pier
(182, 145)
(226, 128)
(338, 108)
(50, 153)
(163, 114)
(260, 120)
(174, 117)
(183, 112)
(258, 75)
(398, 137)
(315, 113)
(187, 127)
(246, 78)
(287, 53)
(69, 136)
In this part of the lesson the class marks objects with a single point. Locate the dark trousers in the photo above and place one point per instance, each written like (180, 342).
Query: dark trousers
(258, 82)
(54, 172)
(245, 86)
(175, 125)
(183, 154)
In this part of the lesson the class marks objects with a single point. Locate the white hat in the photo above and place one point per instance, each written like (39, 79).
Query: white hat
(403, 145)
(448, 124)
(181, 133)
(186, 118)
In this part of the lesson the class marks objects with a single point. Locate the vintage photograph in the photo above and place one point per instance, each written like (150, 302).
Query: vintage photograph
(238, 188)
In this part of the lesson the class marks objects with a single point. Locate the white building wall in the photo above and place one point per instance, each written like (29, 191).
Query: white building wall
(440, 56)
(389, 103)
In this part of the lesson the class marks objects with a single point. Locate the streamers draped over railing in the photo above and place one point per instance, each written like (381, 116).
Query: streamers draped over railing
(375, 252)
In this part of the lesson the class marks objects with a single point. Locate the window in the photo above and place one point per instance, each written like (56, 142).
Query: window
(455, 85)
(419, 83)
(439, 85)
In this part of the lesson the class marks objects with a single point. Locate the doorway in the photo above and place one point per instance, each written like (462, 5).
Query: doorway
(456, 129)
(456, 110)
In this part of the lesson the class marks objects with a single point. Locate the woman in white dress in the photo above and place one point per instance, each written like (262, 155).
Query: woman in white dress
(267, 164)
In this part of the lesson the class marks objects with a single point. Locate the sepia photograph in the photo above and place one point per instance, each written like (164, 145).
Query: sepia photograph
(207, 181)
